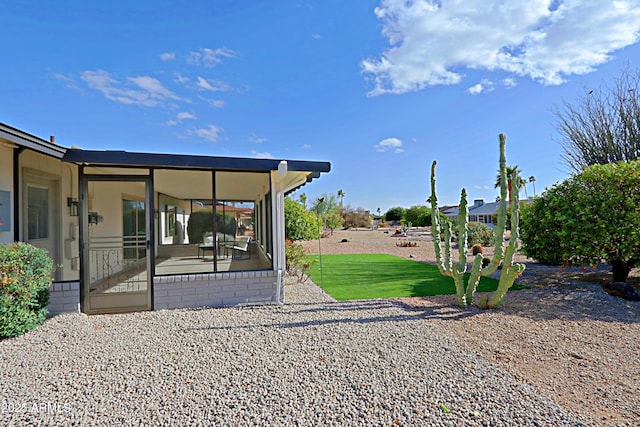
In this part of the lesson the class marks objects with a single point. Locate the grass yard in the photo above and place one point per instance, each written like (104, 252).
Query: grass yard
(366, 276)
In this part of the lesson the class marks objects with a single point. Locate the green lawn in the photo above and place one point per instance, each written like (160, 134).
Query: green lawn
(365, 276)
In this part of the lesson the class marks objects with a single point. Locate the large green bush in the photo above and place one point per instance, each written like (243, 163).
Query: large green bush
(418, 216)
(479, 233)
(299, 224)
(589, 218)
(25, 277)
(200, 223)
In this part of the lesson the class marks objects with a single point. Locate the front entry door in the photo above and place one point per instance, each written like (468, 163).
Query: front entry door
(117, 237)
(42, 220)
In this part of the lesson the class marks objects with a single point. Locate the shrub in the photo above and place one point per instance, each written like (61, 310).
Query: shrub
(479, 233)
(25, 277)
(297, 261)
(299, 224)
(589, 218)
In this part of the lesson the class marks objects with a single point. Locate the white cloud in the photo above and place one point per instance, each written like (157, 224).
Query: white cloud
(179, 78)
(153, 87)
(482, 87)
(210, 133)
(257, 139)
(306, 146)
(142, 90)
(316, 36)
(216, 103)
(210, 57)
(509, 82)
(432, 42)
(183, 115)
(215, 86)
(167, 56)
(261, 155)
(390, 144)
(69, 82)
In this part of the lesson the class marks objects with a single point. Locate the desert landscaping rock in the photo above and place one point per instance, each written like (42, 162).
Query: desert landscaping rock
(561, 354)
(311, 362)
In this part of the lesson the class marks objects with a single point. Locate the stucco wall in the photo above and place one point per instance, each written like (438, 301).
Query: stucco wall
(66, 225)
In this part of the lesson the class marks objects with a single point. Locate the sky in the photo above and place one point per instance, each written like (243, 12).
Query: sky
(379, 89)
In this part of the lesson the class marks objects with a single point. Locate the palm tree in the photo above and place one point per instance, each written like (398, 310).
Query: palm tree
(303, 199)
(510, 172)
(532, 180)
(341, 195)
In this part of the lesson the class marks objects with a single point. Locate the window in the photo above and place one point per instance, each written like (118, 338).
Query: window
(134, 230)
(37, 213)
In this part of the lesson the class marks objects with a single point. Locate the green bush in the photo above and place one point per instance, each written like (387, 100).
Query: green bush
(479, 233)
(589, 218)
(299, 224)
(25, 277)
(298, 263)
(200, 223)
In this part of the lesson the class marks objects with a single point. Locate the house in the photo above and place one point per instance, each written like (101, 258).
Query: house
(483, 212)
(135, 231)
(480, 211)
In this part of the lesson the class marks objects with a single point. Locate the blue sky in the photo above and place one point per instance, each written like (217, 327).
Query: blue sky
(378, 88)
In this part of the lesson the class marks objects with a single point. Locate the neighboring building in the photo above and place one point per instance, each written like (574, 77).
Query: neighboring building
(118, 223)
(478, 212)
(483, 212)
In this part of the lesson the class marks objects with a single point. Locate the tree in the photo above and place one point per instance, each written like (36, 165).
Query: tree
(419, 216)
(358, 217)
(303, 200)
(341, 195)
(394, 214)
(299, 224)
(510, 171)
(532, 180)
(334, 220)
(603, 126)
(324, 204)
(589, 218)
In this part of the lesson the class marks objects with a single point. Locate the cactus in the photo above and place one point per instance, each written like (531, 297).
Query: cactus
(510, 271)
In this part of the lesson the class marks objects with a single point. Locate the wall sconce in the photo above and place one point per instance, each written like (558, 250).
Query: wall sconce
(73, 206)
(94, 218)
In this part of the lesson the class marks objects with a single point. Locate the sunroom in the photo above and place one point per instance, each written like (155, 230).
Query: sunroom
(145, 231)
(173, 231)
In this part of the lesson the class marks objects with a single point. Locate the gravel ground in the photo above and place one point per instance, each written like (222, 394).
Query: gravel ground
(565, 336)
(310, 362)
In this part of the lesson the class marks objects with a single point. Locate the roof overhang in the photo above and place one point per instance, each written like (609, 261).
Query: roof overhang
(298, 172)
(18, 139)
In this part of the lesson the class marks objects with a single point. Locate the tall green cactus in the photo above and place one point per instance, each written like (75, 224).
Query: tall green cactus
(510, 271)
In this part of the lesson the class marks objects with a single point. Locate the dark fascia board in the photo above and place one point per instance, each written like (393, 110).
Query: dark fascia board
(26, 140)
(184, 161)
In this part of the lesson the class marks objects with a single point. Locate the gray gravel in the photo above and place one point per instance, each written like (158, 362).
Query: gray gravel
(310, 362)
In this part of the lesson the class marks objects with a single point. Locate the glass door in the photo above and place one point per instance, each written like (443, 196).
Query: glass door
(117, 244)
(41, 219)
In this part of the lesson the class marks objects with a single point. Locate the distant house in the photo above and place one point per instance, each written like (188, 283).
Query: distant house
(480, 211)
(450, 212)
(483, 212)
(137, 231)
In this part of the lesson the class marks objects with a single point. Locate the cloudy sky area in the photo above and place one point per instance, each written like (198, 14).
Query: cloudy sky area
(378, 88)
